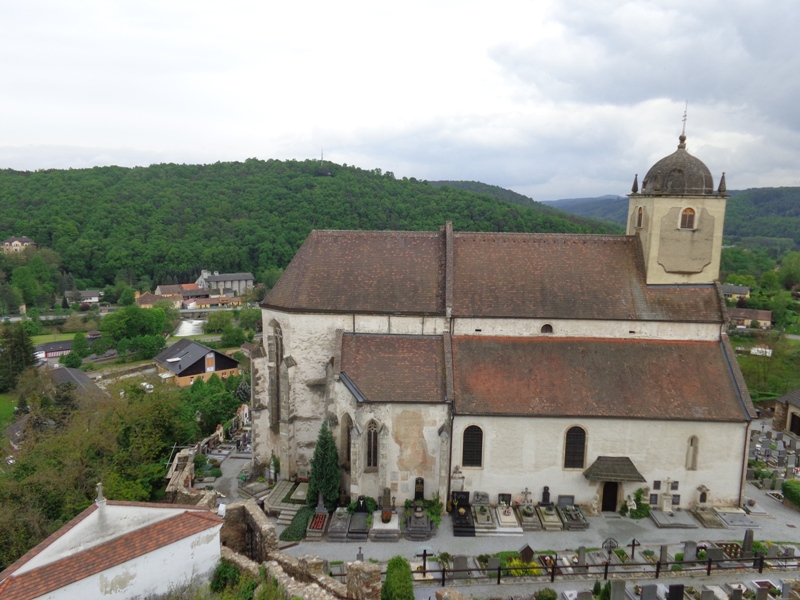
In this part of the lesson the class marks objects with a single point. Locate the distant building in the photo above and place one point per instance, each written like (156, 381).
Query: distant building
(735, 292)
(237, 283)
(744, 317)
(787, 414)
(119, 550)
(52, 350)
(84, 296)
(187, 360)
(17, 244)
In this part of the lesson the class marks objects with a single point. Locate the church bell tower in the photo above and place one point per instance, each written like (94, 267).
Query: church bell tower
(678, 218)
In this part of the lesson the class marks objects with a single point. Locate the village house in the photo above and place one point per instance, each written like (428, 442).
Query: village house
(187, 360)
(119, 550)
(735, 292)
(586, 365)
(225, 283)
(16, 244)
(745, 317)
(148, 300)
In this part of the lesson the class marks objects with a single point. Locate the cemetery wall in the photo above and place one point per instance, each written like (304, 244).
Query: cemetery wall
(649, 330)
(521, 452)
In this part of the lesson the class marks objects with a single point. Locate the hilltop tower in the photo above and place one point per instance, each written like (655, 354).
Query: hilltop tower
(679, 218)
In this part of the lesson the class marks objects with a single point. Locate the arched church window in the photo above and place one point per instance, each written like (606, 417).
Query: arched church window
(346, 438)
(639, 217)
(687, 218)
(472, 450)
(547, 328)
(691, 454)
(372, 445)
(575, 448)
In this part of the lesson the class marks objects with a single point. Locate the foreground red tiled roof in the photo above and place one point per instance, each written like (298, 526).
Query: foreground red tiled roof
(58, 574)
(580, 377)
(395, 368)
(549, 276)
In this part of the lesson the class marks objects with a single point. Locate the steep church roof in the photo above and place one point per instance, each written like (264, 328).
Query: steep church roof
(521, 275)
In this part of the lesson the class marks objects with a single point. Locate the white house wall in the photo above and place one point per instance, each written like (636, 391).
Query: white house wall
(520, 452)
(191, 560)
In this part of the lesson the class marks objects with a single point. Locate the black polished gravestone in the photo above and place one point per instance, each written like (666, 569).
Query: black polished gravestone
(419, 489)
(545, 497)
(463, 524)
(358, 529)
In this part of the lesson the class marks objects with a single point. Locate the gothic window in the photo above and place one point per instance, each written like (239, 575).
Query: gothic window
(691, 454)
(547, 328)
(472, 451)
(575, 448)
(639, 217)
(372, 445)
(275, 351)
(346, 439)
(687, 218)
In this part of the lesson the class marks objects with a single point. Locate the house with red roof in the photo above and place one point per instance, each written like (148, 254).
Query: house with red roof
(589, 366)
(119, 550)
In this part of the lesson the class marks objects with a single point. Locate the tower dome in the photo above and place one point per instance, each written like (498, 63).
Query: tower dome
(679, 174)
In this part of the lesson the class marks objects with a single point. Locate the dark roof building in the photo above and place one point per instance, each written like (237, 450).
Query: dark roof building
(186, 359)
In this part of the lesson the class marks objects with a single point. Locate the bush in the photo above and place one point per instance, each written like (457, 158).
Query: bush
(72, 361)
(296, 530)
(399, 584)
(519, 568)
(791, 491)
(546, 594)
(225, 575)
(215, 473)
(372, 505)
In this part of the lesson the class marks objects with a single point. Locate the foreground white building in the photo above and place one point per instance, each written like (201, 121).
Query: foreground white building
(591, 364)
(119, 550)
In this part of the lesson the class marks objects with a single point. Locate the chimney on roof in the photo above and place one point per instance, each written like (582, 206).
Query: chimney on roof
(100, 501)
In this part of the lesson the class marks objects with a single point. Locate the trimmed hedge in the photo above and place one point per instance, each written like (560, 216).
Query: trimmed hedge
(296, 530)
(791, 491)
(399, 584)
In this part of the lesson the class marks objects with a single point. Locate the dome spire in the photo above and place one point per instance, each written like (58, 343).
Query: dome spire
(682, 137)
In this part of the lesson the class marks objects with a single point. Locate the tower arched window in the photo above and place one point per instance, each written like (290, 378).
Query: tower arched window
(575, 448)
(687, 218)
(639, 217)
(472, 450)
(372, 445)
(547, 328)
(691, 453)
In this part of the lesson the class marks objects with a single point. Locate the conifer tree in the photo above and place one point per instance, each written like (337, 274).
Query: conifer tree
(16, 354)
(325, 472)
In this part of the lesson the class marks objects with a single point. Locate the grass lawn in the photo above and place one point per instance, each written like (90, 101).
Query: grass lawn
(51, 337)
(7, 403)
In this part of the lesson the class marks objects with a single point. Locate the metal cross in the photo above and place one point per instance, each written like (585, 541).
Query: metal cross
(526, 492)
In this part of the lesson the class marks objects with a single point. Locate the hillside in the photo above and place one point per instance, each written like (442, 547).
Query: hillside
(755, 217)
(515, 198)
(167, 221)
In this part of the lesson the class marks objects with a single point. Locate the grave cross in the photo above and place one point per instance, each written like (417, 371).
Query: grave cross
(633, 545)
(526, 492)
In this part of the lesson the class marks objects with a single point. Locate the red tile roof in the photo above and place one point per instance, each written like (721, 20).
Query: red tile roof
(395, 368)
(94, 560)
(523, 275)
(580, 377)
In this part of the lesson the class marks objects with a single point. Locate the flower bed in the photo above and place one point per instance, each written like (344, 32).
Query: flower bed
(318, 522)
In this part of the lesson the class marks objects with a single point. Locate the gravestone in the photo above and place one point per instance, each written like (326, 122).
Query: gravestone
(675, 592)
(419, 489)
(526, 553)
(715, 554)
(493, 563)
(664, 555)
(321, 506)
(779, 435)
(504, 499)
(585, 595)
(736, 593)
(581, 568)
(779, 483)
(618, 589)
(781, 460)
(786, 590)
(751, 474)
(788, 551)
(707, 595)
(460, 567)
(480, 498)
(565, 501)
(747, 544)
(791, 461)
(545, 497)
(689, 551)
(773, 551)
(769, 435)
(361, 505)
(762, 593)
(650, 591)
(386, 499)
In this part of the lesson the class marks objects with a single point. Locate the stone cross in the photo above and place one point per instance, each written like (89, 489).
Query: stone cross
(525, 493)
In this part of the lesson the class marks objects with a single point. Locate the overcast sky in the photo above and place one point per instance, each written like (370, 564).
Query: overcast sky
(553, 99)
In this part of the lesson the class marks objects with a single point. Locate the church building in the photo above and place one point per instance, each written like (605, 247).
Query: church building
(594, 365)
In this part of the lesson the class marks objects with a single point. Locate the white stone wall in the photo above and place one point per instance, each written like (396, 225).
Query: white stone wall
(191, 560)
(520, 452)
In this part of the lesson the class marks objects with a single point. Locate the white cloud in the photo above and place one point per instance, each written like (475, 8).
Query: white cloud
(551, 98)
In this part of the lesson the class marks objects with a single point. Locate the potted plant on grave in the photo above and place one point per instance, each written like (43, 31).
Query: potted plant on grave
(386, 516)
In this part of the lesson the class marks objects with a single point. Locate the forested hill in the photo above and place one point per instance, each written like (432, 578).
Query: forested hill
(758, 216)
(168, 221)
(493, 190)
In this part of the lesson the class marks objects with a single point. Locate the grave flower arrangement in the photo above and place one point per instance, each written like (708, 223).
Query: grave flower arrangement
(386, 516)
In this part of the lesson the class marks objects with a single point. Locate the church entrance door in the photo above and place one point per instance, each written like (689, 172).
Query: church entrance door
(610, 491)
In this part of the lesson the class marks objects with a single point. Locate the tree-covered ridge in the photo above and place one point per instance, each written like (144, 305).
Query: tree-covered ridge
(167, 221)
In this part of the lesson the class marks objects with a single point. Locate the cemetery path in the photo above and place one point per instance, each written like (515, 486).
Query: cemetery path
(228, 485)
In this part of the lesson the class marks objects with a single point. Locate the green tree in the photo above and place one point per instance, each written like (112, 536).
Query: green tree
(789, 272)
(325, 471)
(218, 321)
(80, 346)
(16, 354)
(249, 318)
(10, 299)
(72, 360)
(232, 337)
(128, 297)
(769, 281)
(399, 584)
